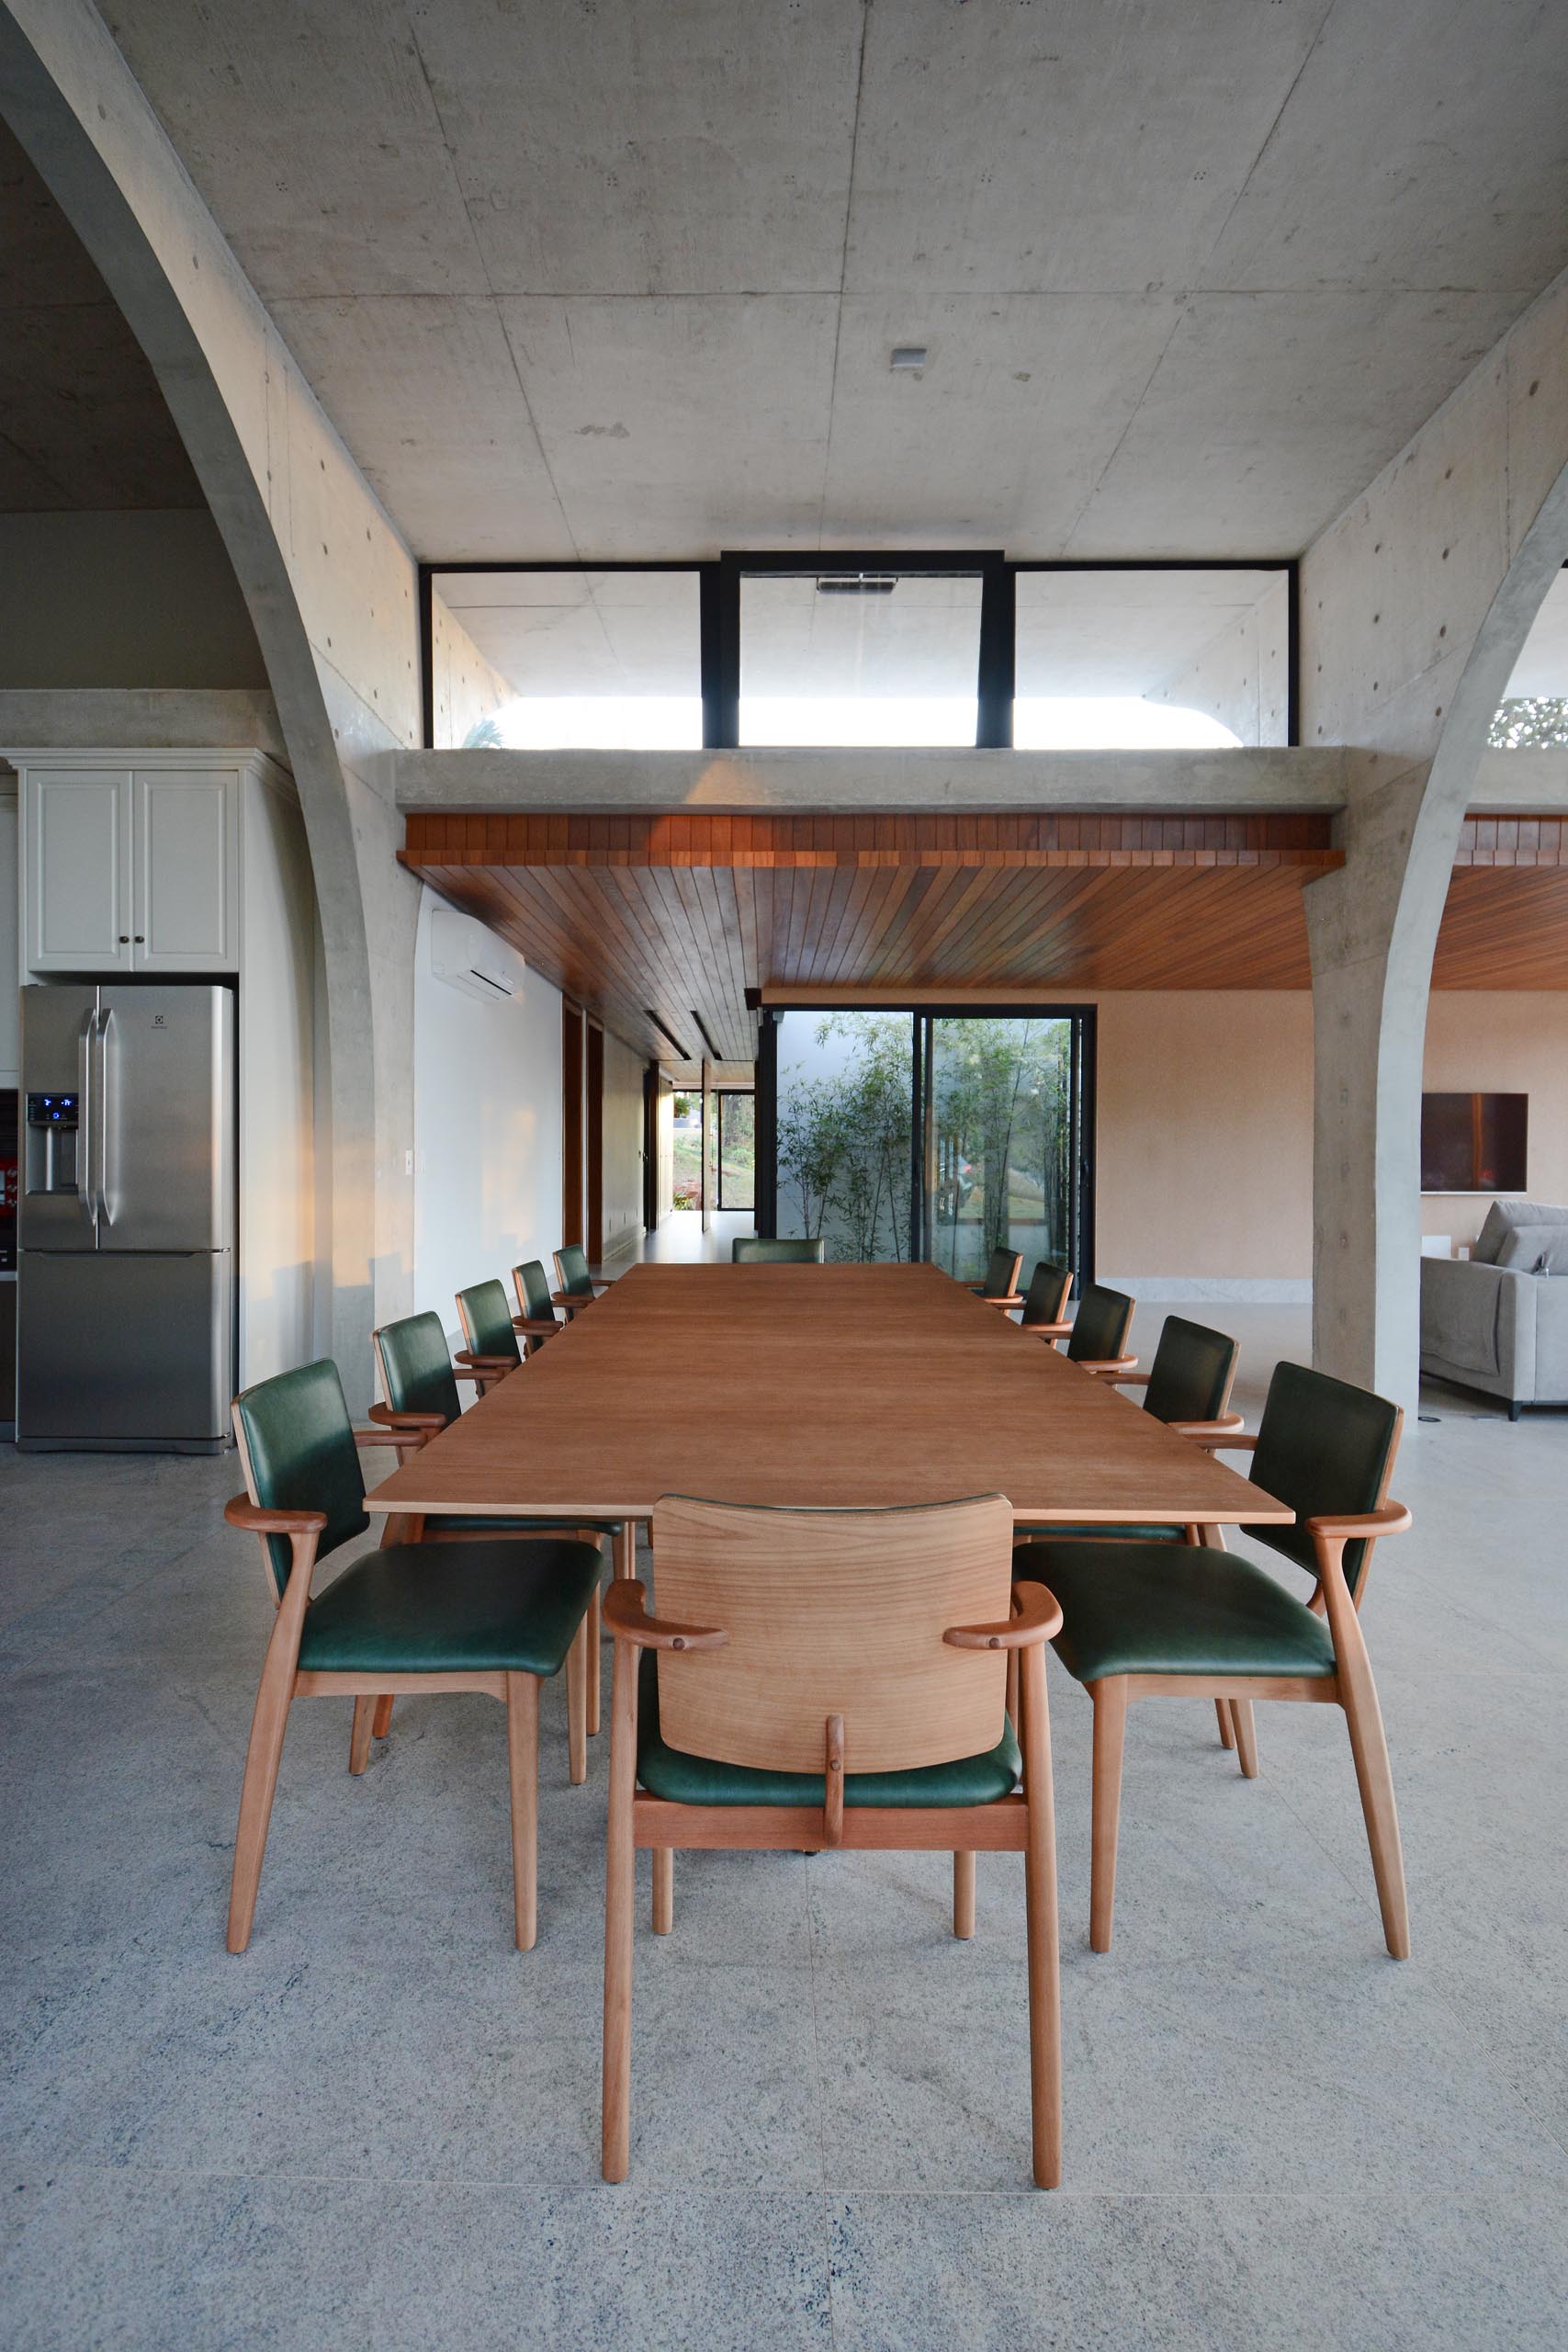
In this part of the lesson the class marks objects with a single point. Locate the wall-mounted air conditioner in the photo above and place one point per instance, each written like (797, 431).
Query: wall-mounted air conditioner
(466, 955)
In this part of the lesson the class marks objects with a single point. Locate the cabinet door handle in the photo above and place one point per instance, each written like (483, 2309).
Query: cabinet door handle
(142, 939)
(125, 938)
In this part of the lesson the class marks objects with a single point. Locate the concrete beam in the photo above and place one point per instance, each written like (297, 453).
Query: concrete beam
(631, 783)
(166, 718)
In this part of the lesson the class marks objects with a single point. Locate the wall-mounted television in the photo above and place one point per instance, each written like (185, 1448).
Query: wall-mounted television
(1473, 1143)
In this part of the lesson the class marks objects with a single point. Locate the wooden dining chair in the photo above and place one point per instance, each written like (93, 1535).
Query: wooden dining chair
(1000, 1285)
(1045, 1301)
(819, 1678)
(1099, 1332)
(535, 1319)
(496, 1618)
(776, 1249)
(1160, 1620)
(491, 1348)
(420, 1386)
(578, 1288)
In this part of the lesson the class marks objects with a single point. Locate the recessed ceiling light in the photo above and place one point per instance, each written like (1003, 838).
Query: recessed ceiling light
(907, 354)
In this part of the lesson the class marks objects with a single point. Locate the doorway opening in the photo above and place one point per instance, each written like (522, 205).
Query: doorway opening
(942, 1134)
(737, 1150)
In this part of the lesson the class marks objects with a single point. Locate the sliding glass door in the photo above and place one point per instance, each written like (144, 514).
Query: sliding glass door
(1004, 1139)
(939, 1134)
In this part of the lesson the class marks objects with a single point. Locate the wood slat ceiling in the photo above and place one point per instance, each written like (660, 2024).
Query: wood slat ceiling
(682, 916)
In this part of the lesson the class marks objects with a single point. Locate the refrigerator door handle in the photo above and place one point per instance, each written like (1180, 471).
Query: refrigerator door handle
(105, 1204)
(86, 1117)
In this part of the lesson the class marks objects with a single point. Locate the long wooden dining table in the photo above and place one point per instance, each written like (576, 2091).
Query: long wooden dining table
(830, 1386)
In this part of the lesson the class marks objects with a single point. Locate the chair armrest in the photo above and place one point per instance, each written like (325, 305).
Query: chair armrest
(625, 1613)
(534, 1325)
(1052, 1331)
(1106, 1367)
(1142, 1380)
(1036, 1617)
(1344, 1527)
(994, 1298)
(392, 1427)
(406, 1441)
(240, 1511)
(1231, 1442)
(1221, 1432)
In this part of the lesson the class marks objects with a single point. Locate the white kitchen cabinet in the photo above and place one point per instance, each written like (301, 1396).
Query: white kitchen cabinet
(76, 869)
(184, 896)
(132, 863)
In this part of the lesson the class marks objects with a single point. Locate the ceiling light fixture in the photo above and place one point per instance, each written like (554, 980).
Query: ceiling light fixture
(857, 584)
(907, 354)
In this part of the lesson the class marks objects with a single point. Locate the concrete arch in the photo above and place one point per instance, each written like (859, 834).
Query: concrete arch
(1374, 927)
(74, 106)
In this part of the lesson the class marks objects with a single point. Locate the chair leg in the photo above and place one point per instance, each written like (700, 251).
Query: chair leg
(664, 1890)
(1223, 1711)
(577, 1706)
(1012, 1687)
(262, 1756)
(1044, 1929)
(620, 1895)
(1368, 1746)
(624, 1550)
(523, 1765)
(381, 1721)
(360, 1736)
(964, 1893)
(1109, 1697)
(596, 1645)
(1246, 1737)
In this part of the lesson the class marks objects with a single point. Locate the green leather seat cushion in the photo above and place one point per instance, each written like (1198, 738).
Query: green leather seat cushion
(1097, 1535)
(1158, 1609)
(700, 1779)
(452, 1607)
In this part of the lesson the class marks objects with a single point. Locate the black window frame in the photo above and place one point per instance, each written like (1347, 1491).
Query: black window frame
(719, 582)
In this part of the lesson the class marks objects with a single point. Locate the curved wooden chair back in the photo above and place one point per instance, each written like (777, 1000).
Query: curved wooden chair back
(416, 1370)
(1002, 1269)
(571, 1271)
(297, 1451)
(833, 1613)
(532, 1288)
(1190, 1379)
(771, 1250)
(1045, 1301)
(487, 1322)
(1100, 1325)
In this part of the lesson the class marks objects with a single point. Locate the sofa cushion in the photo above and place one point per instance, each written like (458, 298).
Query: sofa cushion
(1535, 1249)
(1504, 1218)
(1459, 1314)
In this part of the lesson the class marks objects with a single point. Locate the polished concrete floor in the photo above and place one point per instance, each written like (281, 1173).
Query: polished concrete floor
(378, 2127)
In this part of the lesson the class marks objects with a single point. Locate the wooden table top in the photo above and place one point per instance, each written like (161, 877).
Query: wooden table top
(837, 1386)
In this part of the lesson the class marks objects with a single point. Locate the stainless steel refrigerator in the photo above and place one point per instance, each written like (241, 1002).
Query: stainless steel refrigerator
(126, 1288)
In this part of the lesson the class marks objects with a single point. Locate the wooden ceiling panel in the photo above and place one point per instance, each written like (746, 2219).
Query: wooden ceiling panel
(683, 916)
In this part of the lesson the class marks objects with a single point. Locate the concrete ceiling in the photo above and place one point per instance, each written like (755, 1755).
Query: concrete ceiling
(621, 277)
(83, 424)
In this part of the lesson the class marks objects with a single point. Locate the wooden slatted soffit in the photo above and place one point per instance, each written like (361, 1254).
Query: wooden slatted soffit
(656, 924)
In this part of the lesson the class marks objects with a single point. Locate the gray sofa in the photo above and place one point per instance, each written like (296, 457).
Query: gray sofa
(1498, 1320)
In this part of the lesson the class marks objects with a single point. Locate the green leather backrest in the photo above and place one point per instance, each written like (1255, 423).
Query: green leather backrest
(1322, 1446)
(1100, 1325)
(534, 1290)
(769, 1249)
(574, 1276)
(1002, 1272)
(1046, 1298)
(416, 1370)
(302, 1456)
(1190, 1379)
(487, 1322)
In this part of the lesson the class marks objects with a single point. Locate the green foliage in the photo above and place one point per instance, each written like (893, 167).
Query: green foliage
(683, 1106)
(1538, 725)
(1001, 1138)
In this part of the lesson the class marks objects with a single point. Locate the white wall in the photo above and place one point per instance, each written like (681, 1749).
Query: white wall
(487, 1129)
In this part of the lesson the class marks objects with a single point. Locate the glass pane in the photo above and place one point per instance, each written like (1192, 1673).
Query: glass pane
(1533, 714)
(546, 661)
(687, 1159)
(850, 658)
(1000, 1142)
(737, 1151)
(844, 1131)
(1124, 661)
